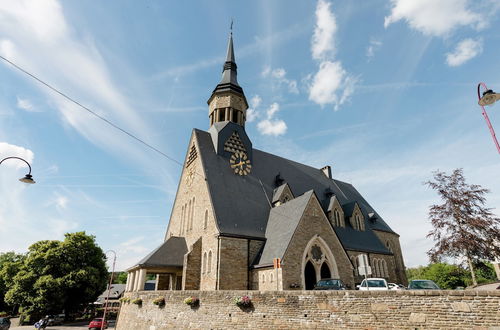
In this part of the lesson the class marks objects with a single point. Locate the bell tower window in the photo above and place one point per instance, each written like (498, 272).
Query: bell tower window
(222, 114)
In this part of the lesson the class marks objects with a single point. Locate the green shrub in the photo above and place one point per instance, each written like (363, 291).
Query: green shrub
(137, 301)
(160, 301)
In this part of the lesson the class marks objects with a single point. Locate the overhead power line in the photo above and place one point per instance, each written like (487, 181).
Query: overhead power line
(90, 111)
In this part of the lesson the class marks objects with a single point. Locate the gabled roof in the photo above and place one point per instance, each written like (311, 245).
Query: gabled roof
(349, 208)
(278, 192)
(169, 254)
(283, 220)
(241, 203)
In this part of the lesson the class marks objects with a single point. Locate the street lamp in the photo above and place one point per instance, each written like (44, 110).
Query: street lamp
(28, 178)
(109, 289)
(489, 97)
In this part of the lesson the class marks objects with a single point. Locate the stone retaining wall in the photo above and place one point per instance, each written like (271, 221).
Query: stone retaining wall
(315, 309)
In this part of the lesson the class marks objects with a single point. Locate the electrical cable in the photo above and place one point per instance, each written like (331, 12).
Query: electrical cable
(90, 111)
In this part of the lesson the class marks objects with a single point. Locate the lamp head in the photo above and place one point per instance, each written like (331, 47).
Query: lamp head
(28, 178)
(489, 97)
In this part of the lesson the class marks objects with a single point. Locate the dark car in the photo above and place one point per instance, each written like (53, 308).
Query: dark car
(97, 323)
(423, 285)
(4, 323)
(329, 284)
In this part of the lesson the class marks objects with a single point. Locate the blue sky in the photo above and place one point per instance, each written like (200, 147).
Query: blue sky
(384, 91)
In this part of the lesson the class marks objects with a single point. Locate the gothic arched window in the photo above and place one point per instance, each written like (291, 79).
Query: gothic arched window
(205, 223)
(209, 264)
(204, 267)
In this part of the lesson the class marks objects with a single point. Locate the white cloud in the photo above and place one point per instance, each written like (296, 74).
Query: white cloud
(25, 104)
(279, 75)
(434, 18)
(373, 47)
(252, 112)
(331, 84)
(271, 126)
(464, 51)
(61, 202)
(73, 64)
(323, 43)
(10, 150)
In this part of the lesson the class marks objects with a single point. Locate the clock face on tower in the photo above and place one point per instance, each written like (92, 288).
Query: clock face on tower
(240, 163)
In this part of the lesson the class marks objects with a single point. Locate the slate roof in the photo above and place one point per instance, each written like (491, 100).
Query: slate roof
(115, 292)
(281, 225)
(242, 209)
(277, 193)
(169, 254)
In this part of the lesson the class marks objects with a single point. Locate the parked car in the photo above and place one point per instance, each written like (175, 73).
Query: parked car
(329, 284)
(373, 284)
(4, 323)
(97, 324)
(394, 286)
(423, 285)
(55, 319)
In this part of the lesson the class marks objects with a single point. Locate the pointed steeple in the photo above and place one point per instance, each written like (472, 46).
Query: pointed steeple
(235, 104)
(229, 70)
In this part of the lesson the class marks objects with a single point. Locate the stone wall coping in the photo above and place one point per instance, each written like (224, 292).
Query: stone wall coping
(356, 293)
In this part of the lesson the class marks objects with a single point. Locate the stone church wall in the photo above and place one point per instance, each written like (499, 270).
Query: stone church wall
(313, 221)
(315, 309)
(233, 264)
(395, 247)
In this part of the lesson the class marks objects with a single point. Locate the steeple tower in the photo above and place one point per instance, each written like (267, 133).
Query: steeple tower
(228, 102)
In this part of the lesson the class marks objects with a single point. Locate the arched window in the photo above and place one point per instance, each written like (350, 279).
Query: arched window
(337, 217)
(209, 264)
(354, 265)
(205, 223)
(388, 244)
(192, 216)
(271, 278)
(204, 267)
(384, 264)
(325, 271)
(263, 278)
(182, 220)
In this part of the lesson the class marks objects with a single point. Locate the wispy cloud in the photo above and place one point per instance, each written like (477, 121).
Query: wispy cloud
(26, 105)
(279, 75)
(270, 125)
(252, 111)
(331, 84)
(73, 64)
(373, 47)
(464, 51)
(434, 18)
(11, 150)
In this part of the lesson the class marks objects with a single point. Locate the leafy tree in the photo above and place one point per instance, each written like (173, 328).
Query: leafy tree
(445, 275)
(59, 275)
(121, 278)
(463, 226)
(10, 263)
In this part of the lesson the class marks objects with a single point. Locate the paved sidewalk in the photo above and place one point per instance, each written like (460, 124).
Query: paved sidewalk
(73, 326)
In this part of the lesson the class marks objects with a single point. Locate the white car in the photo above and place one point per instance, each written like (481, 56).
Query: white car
(374, 284)
(394, 286)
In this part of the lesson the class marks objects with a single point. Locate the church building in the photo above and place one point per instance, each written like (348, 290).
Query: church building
(246, 219)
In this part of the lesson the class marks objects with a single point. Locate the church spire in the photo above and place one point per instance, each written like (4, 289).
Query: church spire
(228, 102)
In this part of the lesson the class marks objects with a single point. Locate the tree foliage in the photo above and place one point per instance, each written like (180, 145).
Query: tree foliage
(463, 226)
(58, 276)
(10, 263)
(450, 277)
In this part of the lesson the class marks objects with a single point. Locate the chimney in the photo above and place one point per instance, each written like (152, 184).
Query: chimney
(327, 171)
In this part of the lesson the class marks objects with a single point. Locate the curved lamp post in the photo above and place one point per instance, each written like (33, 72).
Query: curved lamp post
(489, 97)
(28, 178)
(109, 289)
